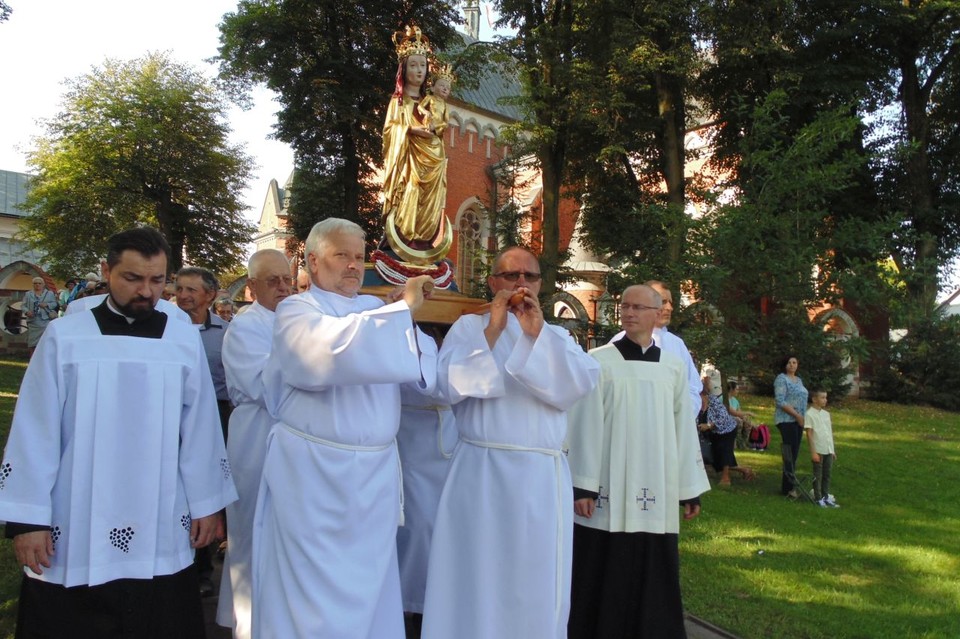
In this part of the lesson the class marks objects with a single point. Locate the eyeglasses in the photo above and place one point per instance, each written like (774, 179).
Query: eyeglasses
(638, 307)
(513, 276)
(274, 280)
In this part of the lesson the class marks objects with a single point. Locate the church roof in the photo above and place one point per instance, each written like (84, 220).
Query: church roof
(495, 85)
(13, 191)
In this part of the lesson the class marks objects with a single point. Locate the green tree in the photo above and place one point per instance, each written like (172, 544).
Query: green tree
(895, 64)
(762, 260)
(332, 65)
(138, 142)
(5, 11)
(630, 158)
(918, 167)
(544, 45)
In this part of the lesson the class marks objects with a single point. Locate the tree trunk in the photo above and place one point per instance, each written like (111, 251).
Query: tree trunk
(922, 281)
(551, 163)
(670, 108)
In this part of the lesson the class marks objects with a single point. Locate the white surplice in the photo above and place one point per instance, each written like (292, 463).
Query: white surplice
(115, 445)
(427, 438)
(500, 560)
(633, 441)
(670, 343)
(246, 349)
(325, 553)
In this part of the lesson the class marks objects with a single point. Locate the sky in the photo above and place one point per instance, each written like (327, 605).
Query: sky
(45, 42)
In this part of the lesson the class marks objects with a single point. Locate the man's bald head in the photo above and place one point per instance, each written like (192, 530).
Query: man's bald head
(639, 312)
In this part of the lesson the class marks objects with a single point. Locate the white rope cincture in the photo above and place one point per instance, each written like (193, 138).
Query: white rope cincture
(361, 449)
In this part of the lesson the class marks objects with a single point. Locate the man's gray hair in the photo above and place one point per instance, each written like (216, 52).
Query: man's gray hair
(322, 230)
(255, 263)
(209, 279)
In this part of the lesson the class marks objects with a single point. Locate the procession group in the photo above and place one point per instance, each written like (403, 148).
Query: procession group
(494, 478)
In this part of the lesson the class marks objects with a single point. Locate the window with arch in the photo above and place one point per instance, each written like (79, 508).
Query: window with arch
(470, 252)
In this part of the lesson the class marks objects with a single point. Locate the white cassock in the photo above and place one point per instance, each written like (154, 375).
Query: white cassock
(634, 437)
(324, 547)
(246, 349)
(88, 302)
(500, 561)
(427, 437)
(115, 445)
(670, 343)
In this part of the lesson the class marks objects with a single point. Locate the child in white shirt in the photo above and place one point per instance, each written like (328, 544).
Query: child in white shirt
(819, 431)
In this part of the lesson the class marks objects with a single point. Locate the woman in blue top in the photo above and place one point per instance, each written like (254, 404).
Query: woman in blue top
(791, 400)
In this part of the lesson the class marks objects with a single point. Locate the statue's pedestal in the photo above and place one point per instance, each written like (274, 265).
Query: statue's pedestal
(443, 307)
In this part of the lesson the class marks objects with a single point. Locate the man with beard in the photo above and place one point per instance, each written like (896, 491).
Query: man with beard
(115, 468)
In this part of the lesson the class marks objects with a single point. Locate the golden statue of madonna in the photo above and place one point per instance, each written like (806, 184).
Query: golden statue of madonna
(415, 162)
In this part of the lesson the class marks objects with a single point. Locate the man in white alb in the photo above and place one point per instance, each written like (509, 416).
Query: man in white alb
(635, 460)
(324, 547)
(115, 467)
(246, 350)
(500, 557)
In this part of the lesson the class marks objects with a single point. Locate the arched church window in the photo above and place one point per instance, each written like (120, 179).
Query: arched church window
(470, 252)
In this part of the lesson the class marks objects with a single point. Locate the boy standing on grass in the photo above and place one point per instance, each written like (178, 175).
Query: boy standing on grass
(819, 431)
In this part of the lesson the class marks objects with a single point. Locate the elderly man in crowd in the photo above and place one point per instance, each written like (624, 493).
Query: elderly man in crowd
(115, 467)
(196, 289)
(40, 306)
(325, 557)
(500, 559)
(246, 350)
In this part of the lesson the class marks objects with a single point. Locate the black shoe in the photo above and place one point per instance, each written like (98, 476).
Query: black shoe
(206, 587)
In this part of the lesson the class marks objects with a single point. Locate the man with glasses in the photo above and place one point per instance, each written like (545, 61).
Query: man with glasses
(500, 559)
(246, 349)
(635, 460)
(671, 343)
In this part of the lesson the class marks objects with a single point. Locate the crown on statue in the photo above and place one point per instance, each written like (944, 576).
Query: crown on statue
(443, 72)
(411, 42)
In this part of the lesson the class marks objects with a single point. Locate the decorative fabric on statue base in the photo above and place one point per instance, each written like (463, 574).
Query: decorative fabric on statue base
(396, 272)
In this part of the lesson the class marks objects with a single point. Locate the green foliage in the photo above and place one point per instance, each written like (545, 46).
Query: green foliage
(763, 263)
(923, 366)
(332, 65)
(138, 142)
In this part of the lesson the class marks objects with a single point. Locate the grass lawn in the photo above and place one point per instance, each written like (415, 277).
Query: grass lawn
(885, 564)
